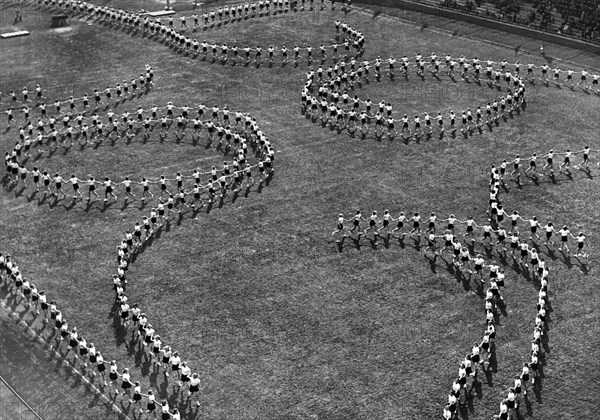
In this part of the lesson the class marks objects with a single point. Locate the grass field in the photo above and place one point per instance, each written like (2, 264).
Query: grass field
(279, 323)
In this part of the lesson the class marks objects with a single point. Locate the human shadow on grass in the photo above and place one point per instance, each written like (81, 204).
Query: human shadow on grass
(120, 332)
(12, 301)
(457, 273)
(538, 385)
(566, 259)
(464, 408)
(476, 384)
(71, 206)
(106, 205)
(58, 357)
(9, 185)
(167, 225)
(89, 204)
(144, 361)
(583, 266)
(20, 192)
(187, 409)
(22, 311)
(135, 348)
(34, 317)
(97, 401)
(77, 379)
(53, 203)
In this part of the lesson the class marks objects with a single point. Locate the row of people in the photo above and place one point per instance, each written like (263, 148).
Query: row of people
(236, 133)
(167, 32)
(352, 46)
(529, 369)
(336, 116)
(481, 352)
(338, 79)
(539, 270)
(149, 340)
(476, 265)
(78, 345)
(498, 214)
(121, 91)
(494, 71)
(498, 217)
(328, 99)
(226, 14)
(242, 131)
(491, 67)
(233, 176)
(534, 168)
(84, 351)
(197, 114)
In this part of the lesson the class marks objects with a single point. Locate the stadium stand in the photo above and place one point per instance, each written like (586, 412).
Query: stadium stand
(576, 18)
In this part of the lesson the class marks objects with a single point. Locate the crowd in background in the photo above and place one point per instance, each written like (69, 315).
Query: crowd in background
(579, 18)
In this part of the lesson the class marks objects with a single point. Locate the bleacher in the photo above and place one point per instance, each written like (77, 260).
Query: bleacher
(575, 18)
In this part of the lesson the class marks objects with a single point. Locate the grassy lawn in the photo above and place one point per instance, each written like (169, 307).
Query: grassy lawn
(278, 322)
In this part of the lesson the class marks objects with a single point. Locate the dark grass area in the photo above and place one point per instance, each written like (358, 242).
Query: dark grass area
(279, 323)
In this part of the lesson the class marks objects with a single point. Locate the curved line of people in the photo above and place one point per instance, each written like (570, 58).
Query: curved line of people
(529, 369)
(145, 82)
(92, 361)
(227, 14)
(505, 237)
(168, 356)
(121, 258)
(231, 177)
(493, 76)
(499, 172)
(325, 96)
(540, 271)
(474, 264)
(334, 106)
(160, 354)
(529, 259)
(353, 38)
(222, 122)
(462, 256)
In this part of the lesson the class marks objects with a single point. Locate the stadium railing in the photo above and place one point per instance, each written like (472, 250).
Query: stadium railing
(433, 7)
